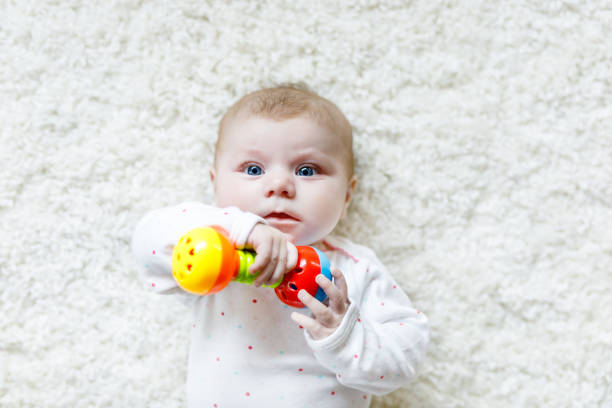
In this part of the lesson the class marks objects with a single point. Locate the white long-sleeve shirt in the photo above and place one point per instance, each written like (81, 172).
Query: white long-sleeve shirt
(246, 351)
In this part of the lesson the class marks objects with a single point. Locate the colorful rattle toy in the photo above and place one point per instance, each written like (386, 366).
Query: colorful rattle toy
(204, 261)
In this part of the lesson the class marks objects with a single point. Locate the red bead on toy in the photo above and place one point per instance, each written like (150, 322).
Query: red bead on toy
(311, 262)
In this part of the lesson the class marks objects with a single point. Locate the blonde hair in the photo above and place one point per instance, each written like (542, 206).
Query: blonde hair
(289, 101)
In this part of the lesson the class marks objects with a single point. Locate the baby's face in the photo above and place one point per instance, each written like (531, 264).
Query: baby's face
(293, 173)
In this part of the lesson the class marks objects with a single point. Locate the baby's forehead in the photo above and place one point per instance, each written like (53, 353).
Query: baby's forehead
(257, 127)
(237, 134)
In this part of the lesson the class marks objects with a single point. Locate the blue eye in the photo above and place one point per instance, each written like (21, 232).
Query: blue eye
(253, 170)
(306, 171)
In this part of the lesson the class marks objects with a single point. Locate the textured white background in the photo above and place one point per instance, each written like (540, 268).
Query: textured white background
(483, 131)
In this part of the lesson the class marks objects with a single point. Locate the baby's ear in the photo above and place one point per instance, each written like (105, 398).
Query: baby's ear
(211, 173)
(349, 194)
(351, 187)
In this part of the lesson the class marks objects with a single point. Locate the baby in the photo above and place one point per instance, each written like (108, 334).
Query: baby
(283, 176)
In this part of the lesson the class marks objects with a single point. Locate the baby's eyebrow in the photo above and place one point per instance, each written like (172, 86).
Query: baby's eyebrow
(251, 150)
(321, 159)
(312, 152)
(251, 153)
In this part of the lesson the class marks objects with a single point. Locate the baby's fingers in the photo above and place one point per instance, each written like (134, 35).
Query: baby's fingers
(280, 269)
(339, 294)
(337, 300)
(321, 312)
(270, 266)
(306, 322)
(261, 258)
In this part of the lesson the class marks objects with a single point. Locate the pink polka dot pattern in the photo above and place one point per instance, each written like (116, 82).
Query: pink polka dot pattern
(236, 320)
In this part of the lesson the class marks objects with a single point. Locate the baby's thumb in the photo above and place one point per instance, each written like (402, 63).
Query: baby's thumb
(292, 256)
(262, 257)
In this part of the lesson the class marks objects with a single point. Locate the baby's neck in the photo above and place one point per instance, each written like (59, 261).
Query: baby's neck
(320, 244)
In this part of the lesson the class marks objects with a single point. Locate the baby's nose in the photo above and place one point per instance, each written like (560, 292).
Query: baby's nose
(281, 185)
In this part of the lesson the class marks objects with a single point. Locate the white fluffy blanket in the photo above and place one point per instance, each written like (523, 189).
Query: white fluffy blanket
(484, 140)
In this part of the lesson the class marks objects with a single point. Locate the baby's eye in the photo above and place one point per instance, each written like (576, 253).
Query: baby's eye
(253, 170)
(306, 171)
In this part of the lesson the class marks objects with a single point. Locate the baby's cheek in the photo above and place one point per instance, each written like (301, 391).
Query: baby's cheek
(234, 193)
(326, 214)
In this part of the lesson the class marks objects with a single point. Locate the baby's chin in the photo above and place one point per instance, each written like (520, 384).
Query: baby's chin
(297, 240)
(298, 235)
(306, 239)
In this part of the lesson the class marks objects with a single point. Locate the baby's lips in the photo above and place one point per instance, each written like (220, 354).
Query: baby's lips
(282, 215)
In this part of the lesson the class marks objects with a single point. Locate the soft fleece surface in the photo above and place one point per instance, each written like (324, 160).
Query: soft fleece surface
(483, 134)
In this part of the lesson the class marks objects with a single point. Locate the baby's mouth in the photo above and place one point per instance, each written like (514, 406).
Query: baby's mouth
(280, 216)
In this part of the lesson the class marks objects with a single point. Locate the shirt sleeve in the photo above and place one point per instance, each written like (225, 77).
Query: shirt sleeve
(156, 234)
(382, 339)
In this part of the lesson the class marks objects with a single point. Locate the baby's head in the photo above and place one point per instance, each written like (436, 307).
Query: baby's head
(286, 154)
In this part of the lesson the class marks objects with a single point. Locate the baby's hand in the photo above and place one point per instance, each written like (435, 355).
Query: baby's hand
(275, 254)
(326, 318)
